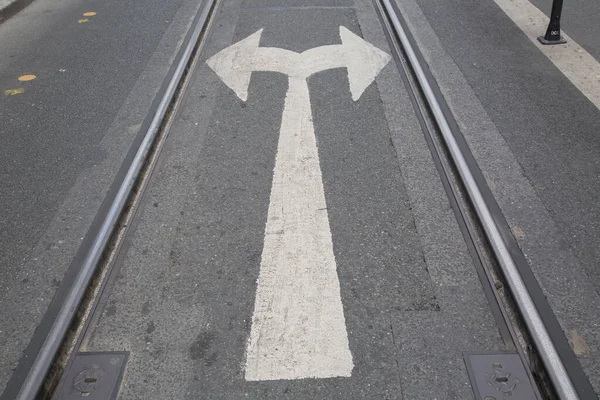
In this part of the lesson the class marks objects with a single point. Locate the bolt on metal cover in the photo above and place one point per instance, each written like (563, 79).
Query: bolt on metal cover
(93, 376)
(499, 376)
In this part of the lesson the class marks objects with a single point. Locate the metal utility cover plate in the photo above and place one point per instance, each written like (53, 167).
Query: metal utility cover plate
(94, 376)
(496, 376)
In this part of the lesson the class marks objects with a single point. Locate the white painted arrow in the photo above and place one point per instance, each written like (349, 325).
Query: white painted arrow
(298, 327)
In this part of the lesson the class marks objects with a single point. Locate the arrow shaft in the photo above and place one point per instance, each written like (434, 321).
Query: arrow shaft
(292, 64)
(298, 328)
(323, 58)
(271, 59)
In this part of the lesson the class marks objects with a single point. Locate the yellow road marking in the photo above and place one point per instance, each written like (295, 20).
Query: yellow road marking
(12, 92)
(81, 21)
(26, 78)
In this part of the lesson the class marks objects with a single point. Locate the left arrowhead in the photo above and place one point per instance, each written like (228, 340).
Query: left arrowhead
(228, 64)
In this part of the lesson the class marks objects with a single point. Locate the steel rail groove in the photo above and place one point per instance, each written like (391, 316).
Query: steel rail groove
(545, 347)
(44, 359)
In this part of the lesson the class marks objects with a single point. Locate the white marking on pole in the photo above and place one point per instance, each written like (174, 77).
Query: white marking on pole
(298, 327)
(579, 66)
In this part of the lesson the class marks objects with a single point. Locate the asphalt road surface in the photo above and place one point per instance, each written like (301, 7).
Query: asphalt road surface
(63, 139)
(296, 239)
(184, 299)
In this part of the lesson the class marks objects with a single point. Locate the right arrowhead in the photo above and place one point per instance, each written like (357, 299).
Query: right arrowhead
(229, 64)
(364, 61)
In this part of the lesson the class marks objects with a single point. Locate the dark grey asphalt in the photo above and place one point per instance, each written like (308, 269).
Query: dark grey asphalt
(536, 138)
(183, 297)
(63, 139)
(50, 132)
(549, 125)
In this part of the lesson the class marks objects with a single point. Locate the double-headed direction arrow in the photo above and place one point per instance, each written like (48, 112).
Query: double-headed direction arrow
(298, 328)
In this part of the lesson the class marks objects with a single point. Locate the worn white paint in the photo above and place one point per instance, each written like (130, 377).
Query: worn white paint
(298, 328)
(579, 66)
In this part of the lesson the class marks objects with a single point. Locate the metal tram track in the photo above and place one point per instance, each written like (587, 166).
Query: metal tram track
(496, 255)
(58, 343)
(522, 313)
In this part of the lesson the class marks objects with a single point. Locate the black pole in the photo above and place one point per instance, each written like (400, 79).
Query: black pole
(552, 35)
